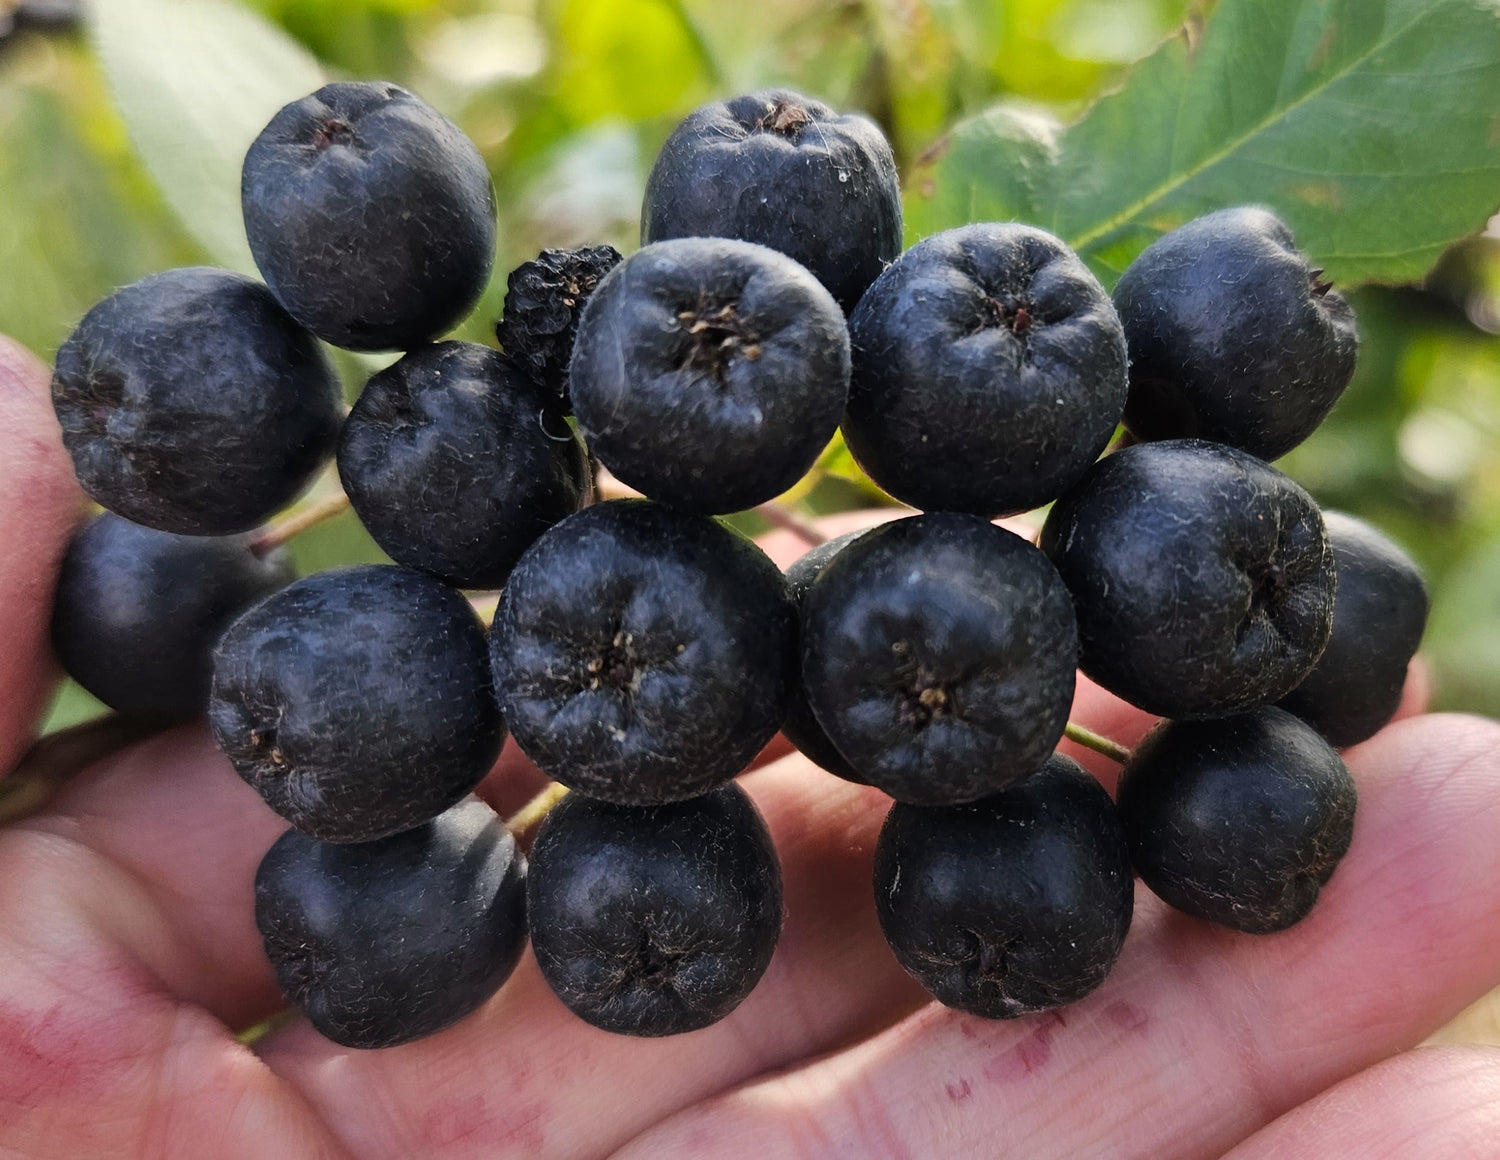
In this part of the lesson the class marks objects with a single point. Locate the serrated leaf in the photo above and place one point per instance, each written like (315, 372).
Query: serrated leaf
(1371, 126)
(196, 81)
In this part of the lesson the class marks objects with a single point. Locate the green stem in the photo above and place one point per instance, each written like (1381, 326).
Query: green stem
(1091, 740)
(297, 521)
(778, 515)
(530, 816)
(52, 761)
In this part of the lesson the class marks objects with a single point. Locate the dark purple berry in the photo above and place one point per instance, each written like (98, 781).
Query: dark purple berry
(370, 215)
(456, 462)
(357, 702)
(657, 920)
(786, 172)
(191, 402)
(138, 612)
(1013, 904)
(1239, 821)
(383, 942)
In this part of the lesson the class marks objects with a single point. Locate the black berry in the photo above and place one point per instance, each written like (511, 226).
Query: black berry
(370, 215)
(456, 462)
(938, 655)
(1233, 335)
(544, 299)
(659, 920)
(1202, 578)
(1239, 821)
(1013, 904)
(709, 374)
(643, 655)
(989, 372)
(383, 942)
(1379, 612)
(357, 702)
(192, 403)
(787, 172)
(138, 612)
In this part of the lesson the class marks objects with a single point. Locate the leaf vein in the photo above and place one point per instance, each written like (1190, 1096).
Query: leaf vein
(1177, 181)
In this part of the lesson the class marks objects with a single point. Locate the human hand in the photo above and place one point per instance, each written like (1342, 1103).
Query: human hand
(129, 957)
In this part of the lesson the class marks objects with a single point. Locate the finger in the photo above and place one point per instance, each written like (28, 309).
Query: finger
(97, 1058)
(525, 1077)
(41, 506)
(1434, 1103)
(1416, 694)
(171, 813)
(1201, 1035)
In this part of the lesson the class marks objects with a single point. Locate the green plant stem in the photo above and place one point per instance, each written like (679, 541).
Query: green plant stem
(55, 759)
(530, 816)
(778, 515)
(1091, 740)
(253, 1035)
(297, 521)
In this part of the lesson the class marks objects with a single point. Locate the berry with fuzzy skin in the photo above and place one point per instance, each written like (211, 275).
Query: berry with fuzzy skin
(989, 372)
(384, 942)
(357, 702)
(654, 921)
(1202, 577)
(709, 374)
(1379, 613)
(1239, 821)
(1013, 904)
(370, 215)
(138, 612)
(786, 172)
(456, 462)
(191, 402)
(1233, 335)
(643, 655)
(938, 656)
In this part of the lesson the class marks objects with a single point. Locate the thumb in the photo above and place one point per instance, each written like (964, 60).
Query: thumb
(39, 506)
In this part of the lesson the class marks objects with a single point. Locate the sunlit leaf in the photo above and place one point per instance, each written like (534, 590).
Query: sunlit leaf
(196, 80)
(1372, 126)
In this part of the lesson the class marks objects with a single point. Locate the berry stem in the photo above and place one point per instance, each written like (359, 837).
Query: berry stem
(778, 515)
(54, 759)
(297, 521)
(530, 816)
(1091, 740)
(253, 1035)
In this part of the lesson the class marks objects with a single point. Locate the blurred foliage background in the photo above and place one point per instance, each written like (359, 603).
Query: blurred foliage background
(569, 101)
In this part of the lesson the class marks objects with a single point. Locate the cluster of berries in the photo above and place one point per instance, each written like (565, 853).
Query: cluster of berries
(641, 652)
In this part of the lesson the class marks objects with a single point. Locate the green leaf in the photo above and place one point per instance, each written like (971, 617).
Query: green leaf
(196, 81)
(1371, 126)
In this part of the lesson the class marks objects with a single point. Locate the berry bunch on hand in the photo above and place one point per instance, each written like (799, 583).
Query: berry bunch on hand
(642, 656)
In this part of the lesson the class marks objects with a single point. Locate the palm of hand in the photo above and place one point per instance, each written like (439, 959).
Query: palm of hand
(129, 956)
